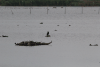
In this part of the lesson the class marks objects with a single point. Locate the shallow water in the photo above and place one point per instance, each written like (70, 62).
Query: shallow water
(70, 44)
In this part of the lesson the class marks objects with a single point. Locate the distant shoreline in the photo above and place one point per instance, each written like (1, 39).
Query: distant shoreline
(49, 3)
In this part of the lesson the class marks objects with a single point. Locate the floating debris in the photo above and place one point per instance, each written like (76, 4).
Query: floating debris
(93, 45)
(32, 43)
(4, 36)
(41, 23)
(61, 7)
(54, 7)
(55, 30)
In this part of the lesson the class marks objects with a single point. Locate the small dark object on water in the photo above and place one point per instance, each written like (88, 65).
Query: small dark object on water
(4, 36)
(69, 25)
(57, 25)
(54, 7)
(55, 30)
(31, 43)
(41, 23)
(61, 7)
(93, 45)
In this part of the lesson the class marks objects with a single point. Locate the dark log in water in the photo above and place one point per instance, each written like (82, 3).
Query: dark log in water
(93, 45)
(32, 43)
(4, 36)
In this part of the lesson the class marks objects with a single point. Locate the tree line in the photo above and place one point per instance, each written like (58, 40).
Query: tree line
(49, 3)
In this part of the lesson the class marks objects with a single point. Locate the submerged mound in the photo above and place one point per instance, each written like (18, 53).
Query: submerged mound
(32, 43)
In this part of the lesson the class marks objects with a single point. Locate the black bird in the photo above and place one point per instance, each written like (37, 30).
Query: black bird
(47, 33)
